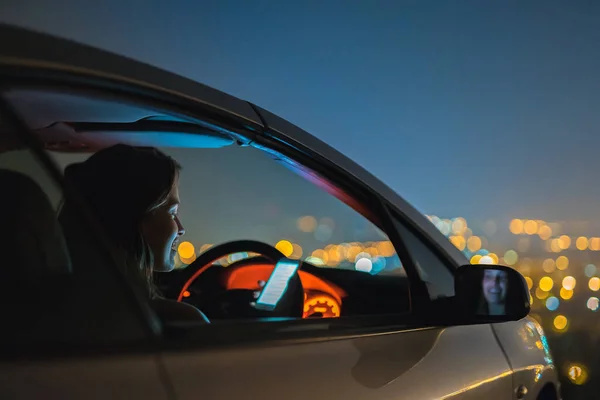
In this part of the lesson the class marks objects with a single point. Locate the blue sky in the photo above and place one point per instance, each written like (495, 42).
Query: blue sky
(463, 108)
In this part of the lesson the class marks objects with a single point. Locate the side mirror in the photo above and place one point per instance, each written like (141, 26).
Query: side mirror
(491, 293)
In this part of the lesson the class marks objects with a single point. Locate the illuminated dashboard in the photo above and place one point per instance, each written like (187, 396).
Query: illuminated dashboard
(322, 299)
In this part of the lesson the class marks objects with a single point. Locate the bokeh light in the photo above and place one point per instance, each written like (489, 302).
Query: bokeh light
(581, 243)
(562, 263)
(285, 247)
(555, 246)
(565, 293)
(323, 232)
(186, 250)
(590, 270)
(541, 294)
(546, 284)
(560, 322)
(487, 260)
(594, 284)
(529, 282)
(327, 221)
(320, 255)
(296, 251)
(564, 242)
(459, 242)
(530, 227)
(569, 283)
(364, 265)
(335, 255)
(314, 261)
(552, 303)
(516, 226)
(476, 258)
(459, 226)
(577, 374)
(592, 303)
(511, 257)
(548, 265)
(474, 243)
(307, 223)
(386, 249)
(545, 232)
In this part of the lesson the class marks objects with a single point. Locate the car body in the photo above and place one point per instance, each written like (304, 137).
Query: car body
(105, 353)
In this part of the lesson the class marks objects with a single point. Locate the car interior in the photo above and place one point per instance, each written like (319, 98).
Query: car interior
(241, 219)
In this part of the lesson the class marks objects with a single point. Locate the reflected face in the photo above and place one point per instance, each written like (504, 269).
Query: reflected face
(495, 283)
(162, 229)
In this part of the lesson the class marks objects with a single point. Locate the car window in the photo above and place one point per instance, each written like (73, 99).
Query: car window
(432, 269)
(50, 295)
(241, 193)
(231, 193)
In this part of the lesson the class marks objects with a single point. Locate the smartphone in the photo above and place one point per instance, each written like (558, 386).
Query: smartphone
(277, 284)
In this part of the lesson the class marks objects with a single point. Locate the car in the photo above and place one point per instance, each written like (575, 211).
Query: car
(374, 301)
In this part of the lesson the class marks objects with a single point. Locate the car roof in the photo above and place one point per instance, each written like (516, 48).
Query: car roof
(21, 47)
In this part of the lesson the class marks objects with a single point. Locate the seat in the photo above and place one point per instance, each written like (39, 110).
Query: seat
(35, 265)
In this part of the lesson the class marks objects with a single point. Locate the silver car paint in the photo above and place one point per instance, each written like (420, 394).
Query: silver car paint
(422, 364)
(114, 378)
(463, 362)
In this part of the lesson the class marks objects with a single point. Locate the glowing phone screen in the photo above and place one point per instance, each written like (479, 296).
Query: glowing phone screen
(277, 284)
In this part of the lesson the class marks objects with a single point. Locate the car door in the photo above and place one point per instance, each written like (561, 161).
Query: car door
(70, 328)
(391, 356)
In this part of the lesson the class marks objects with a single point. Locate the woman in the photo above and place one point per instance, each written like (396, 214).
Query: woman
(494, 287)
(134, 193)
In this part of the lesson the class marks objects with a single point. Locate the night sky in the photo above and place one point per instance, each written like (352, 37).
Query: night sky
(466, 109)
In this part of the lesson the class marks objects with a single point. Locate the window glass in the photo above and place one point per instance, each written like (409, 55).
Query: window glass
(231, 193)
(431, 268)
(48, 293)
(241, 193)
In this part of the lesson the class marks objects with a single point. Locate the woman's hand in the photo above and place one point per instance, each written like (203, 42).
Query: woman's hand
(261, 285)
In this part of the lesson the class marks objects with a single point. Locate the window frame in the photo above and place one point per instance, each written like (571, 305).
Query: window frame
(336, 328)
(427, 241)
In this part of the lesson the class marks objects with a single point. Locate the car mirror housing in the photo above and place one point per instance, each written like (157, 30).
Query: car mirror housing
(491, 293)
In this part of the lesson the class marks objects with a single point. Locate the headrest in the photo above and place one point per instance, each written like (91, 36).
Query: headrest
(32, 246)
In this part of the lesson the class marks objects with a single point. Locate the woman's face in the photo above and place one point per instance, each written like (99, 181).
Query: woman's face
(495, 283)
(162, 230)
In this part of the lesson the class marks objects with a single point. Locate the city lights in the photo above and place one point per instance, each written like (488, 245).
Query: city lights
(562, 263)
(552, 256)
(565, 294)
(546, 284)
(577, 374)
(186, 250)
(592, 303)
(560, 322)
(516, 226)
(285, 247)
(569, 283)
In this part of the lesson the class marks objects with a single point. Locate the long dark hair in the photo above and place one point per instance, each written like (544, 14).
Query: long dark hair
(122, 184)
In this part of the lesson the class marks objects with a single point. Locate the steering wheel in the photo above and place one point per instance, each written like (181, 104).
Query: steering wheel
(290, 305)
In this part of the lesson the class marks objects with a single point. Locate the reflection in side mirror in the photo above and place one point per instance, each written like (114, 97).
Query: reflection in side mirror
(492, 293)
